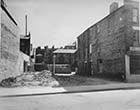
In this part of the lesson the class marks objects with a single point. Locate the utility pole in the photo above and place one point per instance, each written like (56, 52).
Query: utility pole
(54, 56)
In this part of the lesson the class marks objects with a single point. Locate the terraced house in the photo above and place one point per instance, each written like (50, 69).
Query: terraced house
(112, 45)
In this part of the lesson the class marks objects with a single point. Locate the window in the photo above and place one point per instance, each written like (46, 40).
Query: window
(90, 48)
(98, 28)
(135, 15)
(120, 18)
(91, 31)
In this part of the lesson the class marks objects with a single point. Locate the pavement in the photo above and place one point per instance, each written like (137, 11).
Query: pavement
(37, 90)
(102, 100)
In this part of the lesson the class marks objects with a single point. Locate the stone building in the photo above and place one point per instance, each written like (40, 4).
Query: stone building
(103, 47)
(71, 46)
(11, 59)
(9, 44)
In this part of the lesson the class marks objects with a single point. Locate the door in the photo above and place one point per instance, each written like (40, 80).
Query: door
(134, 64)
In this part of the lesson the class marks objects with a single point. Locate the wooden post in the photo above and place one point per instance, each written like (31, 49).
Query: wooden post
(54, 64)
(127, 66)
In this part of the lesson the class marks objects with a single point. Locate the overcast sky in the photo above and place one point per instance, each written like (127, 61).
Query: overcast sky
(57, 22)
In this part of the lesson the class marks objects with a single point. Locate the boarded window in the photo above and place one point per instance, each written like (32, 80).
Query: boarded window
(91, 31)
(135, 64)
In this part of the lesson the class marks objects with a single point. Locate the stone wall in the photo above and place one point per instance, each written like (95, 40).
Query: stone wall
(9, 47)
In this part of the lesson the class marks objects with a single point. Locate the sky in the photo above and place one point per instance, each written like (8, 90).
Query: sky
(57, 22)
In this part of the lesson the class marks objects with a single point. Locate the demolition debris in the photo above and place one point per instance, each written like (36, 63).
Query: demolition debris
(43, 78)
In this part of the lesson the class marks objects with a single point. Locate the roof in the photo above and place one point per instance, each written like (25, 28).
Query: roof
(101, 20)
(3, 6)
(65, 51)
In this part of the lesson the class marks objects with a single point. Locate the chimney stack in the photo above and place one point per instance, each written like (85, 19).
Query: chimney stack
(25, 25)
(114, 6)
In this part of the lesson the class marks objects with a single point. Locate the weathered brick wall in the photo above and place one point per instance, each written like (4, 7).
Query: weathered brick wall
(131, 35)
(0, 32)
(108, 42)
(9, 47)
(83, 53)
(80, 54)
(113, 40)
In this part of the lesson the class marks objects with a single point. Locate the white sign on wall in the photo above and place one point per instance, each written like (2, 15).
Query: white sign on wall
(135, 48)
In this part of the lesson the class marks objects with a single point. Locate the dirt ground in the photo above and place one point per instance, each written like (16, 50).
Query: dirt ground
(77, 80)
(42, 78)
(45, 78)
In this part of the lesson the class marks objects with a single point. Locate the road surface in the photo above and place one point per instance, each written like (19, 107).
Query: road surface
(103, 100)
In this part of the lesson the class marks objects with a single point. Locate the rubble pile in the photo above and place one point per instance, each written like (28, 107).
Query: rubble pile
(42, 78)
(8, 82)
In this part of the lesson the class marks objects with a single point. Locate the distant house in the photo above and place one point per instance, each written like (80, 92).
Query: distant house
(112, 45)
(43, 57)
(71, 46)
(63, 60)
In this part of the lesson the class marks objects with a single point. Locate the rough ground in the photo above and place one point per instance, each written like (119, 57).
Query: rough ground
(45, 78)
(76, 80)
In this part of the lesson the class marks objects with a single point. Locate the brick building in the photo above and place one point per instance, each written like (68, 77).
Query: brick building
(83, 54)
(102, 47)
(25, 44)
(43, 57)
(64, 61)
(71, 46)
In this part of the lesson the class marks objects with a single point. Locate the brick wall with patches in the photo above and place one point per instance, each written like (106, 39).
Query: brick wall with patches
(9, 45)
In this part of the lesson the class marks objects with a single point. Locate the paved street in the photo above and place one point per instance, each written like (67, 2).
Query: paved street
(109, 100)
